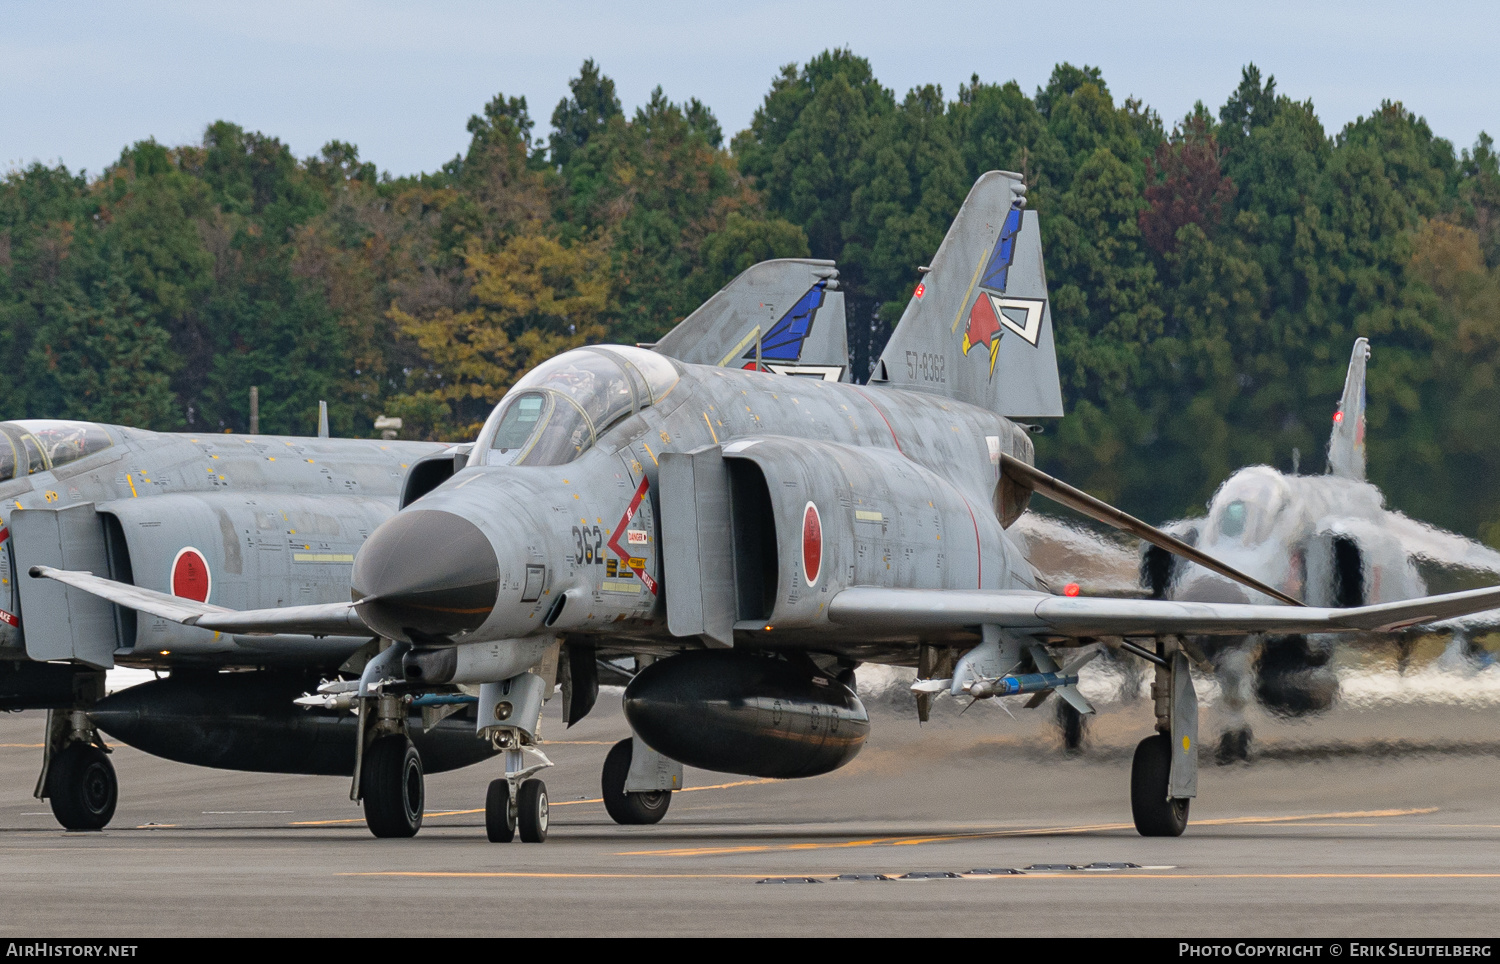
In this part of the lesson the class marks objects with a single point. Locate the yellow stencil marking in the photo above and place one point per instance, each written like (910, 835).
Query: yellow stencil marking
(710, 428)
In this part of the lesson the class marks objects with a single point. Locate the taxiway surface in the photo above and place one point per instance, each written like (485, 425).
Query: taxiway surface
(1374, 820)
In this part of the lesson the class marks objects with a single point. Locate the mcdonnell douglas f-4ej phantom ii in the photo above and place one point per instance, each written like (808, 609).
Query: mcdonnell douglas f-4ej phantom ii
(253, 521)
(752, 539)
(1328, 539)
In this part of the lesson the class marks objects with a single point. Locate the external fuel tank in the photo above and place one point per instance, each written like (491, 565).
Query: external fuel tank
(744, 713)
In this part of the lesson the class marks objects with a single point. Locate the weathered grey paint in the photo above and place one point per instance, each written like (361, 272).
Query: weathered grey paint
(69, 624)
(1183, 781)
(697, 556)
(725, 330)
(650, 771)
(278, 521)
(1346, 444)
(941, 347)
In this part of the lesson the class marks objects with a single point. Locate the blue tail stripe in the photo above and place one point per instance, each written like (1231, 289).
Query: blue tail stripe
(784, 341)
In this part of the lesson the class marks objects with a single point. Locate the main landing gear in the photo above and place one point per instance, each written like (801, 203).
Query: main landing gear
(77, 779)
(391, 786)
(388, 777)
(1164, 772)
(629, 806)
(1074, 727)
(82, 788)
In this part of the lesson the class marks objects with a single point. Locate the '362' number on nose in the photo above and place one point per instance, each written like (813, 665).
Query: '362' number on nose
(588, 545)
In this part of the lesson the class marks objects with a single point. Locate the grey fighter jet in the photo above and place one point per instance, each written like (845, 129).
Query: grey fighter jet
(751, 540)
(223, 519)
(250, 521)
(1328, 539)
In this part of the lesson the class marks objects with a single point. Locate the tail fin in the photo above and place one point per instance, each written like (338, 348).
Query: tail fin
(979, 326)
(787, 315)
(1346, 446)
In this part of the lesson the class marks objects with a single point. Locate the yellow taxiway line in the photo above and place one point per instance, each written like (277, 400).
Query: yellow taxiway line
(558, 803)
(1022, 832)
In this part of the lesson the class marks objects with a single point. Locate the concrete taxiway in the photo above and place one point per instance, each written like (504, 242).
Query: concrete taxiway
(1381, 818)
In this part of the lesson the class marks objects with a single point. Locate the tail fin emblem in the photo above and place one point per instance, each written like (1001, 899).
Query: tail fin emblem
(783, 343)
(992, 313)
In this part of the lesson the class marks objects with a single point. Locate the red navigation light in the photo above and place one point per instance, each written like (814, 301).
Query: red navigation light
(1071, 589)
(921, 290)
(1338, 417)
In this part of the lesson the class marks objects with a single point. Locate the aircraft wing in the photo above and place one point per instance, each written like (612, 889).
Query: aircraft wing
(1044, 614)
(328, 619)
(1446, 549)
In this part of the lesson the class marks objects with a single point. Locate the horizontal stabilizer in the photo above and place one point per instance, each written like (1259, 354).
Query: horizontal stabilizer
(328, 619)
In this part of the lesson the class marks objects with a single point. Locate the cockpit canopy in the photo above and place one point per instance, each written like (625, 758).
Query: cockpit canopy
(1247, 507)
(37, 445)
(561, 408)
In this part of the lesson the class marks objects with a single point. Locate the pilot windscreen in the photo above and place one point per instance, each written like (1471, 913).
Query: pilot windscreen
(1233, 521)
(518, 422)
(56, 442)
(7, 459)
(34, 460)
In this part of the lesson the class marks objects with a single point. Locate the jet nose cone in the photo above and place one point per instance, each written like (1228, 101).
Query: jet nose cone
(428, 573)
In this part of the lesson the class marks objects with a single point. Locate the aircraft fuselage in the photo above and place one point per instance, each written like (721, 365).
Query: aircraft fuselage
(857, 486)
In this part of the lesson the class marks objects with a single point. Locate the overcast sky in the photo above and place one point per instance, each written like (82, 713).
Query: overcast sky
(80, 80)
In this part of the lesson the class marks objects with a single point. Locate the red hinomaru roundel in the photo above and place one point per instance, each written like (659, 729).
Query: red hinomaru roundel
(812, 544)
(190, 576)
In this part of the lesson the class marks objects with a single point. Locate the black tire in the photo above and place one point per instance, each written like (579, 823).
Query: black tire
(1150, 773)
(531, 807)
(391, 785)
(1234, 747)
(81, 787)
(630, 808)
(1074, 727)
(499, 815)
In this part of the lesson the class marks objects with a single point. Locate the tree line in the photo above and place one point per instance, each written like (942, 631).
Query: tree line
(1208, 275)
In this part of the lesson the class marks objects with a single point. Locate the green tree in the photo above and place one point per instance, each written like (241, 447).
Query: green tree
(102, 359)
